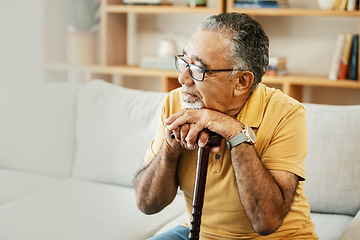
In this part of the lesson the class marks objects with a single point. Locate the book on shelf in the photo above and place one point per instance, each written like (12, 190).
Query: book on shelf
(346, 5)
(343, 4)
(271, 72)
(260, 3)
(277, 62)
(351, 5)
(344, 63)
(335, 63)
(277, 66)
(354, 59)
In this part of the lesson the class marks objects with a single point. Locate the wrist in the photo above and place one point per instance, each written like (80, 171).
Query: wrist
(247, 135)
(172, 152)
(236, 130)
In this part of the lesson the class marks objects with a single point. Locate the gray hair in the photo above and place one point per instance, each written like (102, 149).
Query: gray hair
(250, 46)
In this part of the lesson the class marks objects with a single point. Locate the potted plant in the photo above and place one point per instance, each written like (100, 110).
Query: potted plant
(83, 20)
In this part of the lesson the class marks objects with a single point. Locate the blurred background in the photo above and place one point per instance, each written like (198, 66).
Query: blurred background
(133, 48)
(21, 48)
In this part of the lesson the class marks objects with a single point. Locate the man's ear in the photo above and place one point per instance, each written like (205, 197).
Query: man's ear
(244, 83)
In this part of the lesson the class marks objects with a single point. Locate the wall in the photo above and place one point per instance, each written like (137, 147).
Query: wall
(21, 40)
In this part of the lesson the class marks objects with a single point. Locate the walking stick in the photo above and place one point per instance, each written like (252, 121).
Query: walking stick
(199, 186)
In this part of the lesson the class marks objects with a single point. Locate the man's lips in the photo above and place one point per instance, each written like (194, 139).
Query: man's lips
(187, 97)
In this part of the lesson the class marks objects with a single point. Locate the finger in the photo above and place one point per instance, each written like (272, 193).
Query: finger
(176, 134)
(203, 137)
(169, 138)
(184, 129)
(215, 149)
(195, 131)
(181, 120)
(173, 117)
(172, 143)
(191, 142)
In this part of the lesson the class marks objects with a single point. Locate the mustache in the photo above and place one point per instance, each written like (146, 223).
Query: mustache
(196, 104)
(184, 87)
(187, 89)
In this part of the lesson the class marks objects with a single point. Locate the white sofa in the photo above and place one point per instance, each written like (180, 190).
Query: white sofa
(69, 153)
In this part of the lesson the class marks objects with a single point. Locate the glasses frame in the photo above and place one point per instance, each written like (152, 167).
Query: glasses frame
(205, 70)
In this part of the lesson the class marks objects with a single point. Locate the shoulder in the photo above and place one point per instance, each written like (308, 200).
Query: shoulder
(276, 101)
(272, 108)
(172, 102)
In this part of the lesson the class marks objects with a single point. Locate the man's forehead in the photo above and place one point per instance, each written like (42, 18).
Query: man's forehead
(207, 46)
(195, 58)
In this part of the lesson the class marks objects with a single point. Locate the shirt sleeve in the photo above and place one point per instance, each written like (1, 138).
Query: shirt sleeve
(158, 140)
(288, 145)
(172, 103)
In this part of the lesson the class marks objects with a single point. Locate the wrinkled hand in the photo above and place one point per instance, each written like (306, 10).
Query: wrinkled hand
(180, 134)
(191, 127)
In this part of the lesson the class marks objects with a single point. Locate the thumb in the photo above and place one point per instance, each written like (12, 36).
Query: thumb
(203, 137)
(215, 149)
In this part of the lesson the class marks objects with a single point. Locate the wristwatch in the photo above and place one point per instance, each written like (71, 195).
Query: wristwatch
(246, 135)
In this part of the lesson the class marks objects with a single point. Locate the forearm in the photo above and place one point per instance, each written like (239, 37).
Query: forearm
(156, 183)
(260, 195)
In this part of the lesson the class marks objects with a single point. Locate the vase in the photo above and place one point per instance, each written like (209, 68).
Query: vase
(326, 4)
(81, 48)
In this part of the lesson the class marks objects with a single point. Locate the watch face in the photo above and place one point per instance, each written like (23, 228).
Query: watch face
(251, 135)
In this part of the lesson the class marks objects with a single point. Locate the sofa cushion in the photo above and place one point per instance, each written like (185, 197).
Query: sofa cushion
(80, 210)
(37, 120)
(115, 126)
(330, 226)
(15, 184)
(327, 226)
(352, 232)
(333, 159)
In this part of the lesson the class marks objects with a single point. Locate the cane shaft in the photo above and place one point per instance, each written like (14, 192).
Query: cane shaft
(199, 191)
(199, 186)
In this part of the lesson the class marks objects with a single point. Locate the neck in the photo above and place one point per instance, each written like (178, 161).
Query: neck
(240, 104)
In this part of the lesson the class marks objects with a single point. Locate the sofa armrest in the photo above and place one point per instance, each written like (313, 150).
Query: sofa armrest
(352, 232)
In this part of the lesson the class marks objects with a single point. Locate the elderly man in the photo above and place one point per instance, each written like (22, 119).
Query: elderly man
(255, 182)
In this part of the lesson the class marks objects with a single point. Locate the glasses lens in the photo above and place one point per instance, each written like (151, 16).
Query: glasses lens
(180, 64)
(196, 72)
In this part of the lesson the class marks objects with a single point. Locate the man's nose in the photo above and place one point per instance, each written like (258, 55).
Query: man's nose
(185, 78)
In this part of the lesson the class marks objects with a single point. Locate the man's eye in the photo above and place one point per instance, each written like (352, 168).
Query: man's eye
(197, 70)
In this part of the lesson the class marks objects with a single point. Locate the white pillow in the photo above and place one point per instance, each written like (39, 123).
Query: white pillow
(333, 160)
(37, 127)
(115, 126)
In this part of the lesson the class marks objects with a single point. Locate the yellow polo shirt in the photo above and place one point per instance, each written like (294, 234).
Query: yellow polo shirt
(279, 123)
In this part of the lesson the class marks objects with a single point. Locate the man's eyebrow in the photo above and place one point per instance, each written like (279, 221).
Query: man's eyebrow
(200, 61)
(196, 58)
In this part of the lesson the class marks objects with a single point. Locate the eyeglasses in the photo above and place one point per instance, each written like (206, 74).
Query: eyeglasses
(196, 72)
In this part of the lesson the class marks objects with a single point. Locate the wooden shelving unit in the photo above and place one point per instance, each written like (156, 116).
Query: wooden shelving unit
(292, 84)
(113, 45)
(122, 70)
(113, 42)
(152, 9)
(288, 12)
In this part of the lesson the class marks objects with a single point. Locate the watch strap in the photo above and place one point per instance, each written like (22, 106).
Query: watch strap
(234, 141)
